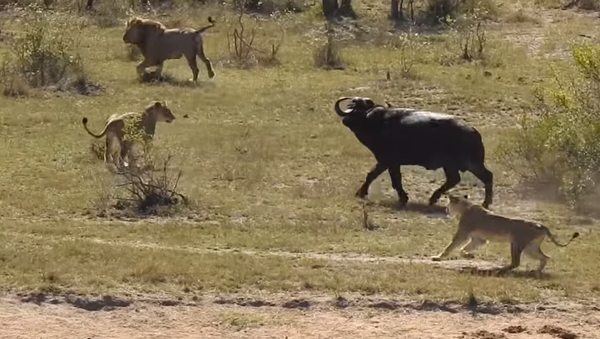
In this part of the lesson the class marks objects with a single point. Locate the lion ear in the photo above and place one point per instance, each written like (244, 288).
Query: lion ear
(466, 196)
(164, 103)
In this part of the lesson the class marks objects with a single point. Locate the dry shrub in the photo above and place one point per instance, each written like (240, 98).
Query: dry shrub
(151, 190)
(242, 46)
(328, 55)
(437, 11)
(272, 6)
(588, 5)
(149, 182)
(44, 57)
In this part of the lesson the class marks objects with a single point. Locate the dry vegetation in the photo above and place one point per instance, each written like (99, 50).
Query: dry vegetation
(269, 170)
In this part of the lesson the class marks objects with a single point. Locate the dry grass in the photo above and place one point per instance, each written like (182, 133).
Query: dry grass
(271, 169)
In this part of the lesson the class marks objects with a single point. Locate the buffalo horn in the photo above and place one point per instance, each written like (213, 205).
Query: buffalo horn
(339, 111)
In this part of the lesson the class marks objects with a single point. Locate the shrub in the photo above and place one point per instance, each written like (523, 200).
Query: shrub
(242, 47)
(152, 190)
(462, 10)
(149, 181)
(328, 55)
(45, 56)
(562, 145)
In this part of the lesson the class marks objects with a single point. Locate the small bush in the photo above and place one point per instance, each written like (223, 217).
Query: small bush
(46, 57)
(588, 5)
(562, 145)
(410, 49)
(328, 55)
(242, 46)
(152, 190)
(271, 6)
(437, 11)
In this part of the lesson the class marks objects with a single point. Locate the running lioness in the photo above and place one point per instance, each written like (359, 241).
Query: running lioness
(480, 225)
(145, 122)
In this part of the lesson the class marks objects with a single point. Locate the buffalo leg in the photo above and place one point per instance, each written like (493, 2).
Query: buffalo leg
(487, 178)
(452, 179)
(396, 177)
(376, 171)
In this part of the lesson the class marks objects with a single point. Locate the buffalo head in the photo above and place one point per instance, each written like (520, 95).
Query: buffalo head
(357, 111)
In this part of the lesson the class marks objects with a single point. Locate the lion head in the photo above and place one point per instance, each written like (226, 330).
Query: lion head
(160, 111)
(138, 30)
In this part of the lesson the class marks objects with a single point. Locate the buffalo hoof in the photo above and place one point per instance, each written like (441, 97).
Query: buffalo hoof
(361, 194)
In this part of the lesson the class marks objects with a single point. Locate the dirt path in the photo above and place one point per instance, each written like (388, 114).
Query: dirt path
(339, 258)
(212, 320)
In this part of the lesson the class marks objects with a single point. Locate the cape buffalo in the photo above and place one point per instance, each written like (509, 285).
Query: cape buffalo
(401, 136)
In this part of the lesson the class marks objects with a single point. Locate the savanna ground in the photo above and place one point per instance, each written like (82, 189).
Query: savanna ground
(275, 244)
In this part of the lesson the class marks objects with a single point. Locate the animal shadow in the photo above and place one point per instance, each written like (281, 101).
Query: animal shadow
(496, 272)
(434, 211)
(166, 78)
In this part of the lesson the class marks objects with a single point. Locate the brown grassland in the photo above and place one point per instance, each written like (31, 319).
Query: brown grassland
(271, 172)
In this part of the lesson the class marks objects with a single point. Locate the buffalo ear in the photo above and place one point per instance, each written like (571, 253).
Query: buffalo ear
(369, 102)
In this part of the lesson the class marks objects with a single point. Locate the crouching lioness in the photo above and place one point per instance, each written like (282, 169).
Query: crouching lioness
(143, 122)
(157, 44)
(480, 225)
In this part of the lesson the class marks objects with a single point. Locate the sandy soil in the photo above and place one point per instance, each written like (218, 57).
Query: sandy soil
(208, 320)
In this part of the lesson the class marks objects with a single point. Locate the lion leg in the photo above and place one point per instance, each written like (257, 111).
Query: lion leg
(206, 61)
(533, 250)
(475, 243)
(106, 149)
(458, 239)
(193, 66)
(515, 253)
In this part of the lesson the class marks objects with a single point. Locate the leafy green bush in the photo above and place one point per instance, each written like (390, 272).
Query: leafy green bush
(562, 144)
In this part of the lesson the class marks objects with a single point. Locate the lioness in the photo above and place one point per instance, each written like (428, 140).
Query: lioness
(157, 44)
(480, 225)
(145, 121)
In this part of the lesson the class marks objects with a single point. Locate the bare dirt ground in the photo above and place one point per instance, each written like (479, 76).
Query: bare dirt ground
(294, 319)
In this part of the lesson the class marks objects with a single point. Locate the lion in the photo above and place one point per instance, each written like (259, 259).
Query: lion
(157, 44)
(480, 225)
(145, 121)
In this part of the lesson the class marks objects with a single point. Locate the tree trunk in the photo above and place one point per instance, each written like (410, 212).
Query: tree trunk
(330, 8)
(397, 13)
(347, 10)
(89, 5)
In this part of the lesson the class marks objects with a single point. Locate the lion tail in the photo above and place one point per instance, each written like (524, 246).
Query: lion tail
(212, 24)
(85, 120)
(575, 235)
